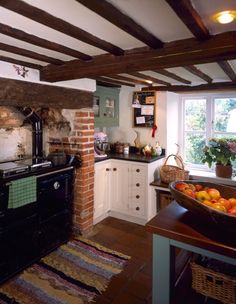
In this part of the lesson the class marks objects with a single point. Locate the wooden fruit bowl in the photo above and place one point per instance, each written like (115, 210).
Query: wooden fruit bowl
(223, 220)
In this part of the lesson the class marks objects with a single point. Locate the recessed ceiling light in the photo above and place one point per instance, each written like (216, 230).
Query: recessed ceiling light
(225, 17)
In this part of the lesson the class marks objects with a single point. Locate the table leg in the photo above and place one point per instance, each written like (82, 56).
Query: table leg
(162, 270)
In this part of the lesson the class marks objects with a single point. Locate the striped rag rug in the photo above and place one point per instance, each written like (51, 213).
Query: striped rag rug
(74, 273)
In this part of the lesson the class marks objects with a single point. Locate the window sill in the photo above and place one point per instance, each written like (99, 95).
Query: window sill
(211, 177)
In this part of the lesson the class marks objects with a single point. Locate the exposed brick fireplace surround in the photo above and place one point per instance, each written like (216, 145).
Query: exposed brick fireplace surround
(80, 140)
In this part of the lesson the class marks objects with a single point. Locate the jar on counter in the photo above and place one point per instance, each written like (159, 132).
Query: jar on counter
(119, 148)
(126, 149)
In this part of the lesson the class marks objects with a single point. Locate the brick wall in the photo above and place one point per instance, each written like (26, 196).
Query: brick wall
(82, 141)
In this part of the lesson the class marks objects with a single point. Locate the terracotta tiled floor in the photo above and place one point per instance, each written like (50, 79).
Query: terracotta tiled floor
(134, 284)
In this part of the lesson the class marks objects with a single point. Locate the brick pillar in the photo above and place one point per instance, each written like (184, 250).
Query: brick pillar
(84, 182)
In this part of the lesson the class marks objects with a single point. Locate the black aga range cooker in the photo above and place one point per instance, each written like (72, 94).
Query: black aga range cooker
(35, 206)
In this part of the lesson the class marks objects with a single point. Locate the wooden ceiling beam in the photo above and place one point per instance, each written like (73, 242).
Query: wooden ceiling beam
(30, 54)
(149, 78)
(128, 79)
(58, 24)
(226, 67)
(174, 54)
(21, 35)
(107, 84)
(21, 62)
(192, 69)
(24, 93)
(112, 81)
(203, 87)
(122, 21)
(172, 75)
(190, 17)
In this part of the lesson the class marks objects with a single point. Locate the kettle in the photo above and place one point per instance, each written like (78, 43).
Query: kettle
(57, 158)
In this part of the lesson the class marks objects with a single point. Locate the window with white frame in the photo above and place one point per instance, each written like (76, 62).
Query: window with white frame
(204, 117)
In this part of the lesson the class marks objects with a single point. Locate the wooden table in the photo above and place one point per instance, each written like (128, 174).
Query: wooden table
(173, 227)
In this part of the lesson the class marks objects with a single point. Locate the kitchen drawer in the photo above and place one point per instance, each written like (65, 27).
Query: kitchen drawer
(138, 169)
(137, 201)
(137, 186)
(137, 207)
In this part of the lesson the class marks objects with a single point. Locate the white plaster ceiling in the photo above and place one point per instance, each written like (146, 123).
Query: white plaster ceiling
(155, 16)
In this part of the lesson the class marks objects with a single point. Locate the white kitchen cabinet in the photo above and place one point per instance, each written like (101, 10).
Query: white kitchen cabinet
(119, 185)
(101, 190)
(110, 188)
(122, 190)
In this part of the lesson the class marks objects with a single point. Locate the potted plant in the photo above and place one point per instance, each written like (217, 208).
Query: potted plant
(221, 151)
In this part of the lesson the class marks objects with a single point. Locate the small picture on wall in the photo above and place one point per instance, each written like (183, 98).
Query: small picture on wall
(150, 99)
(140, 120)
(147, 110)
(136, 101)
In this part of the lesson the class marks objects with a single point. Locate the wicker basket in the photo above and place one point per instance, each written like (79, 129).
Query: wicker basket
(170, 173)
(213, 284)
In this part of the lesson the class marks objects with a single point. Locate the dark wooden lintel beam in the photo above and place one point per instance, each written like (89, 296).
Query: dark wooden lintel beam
(192, 69)
(203, 87)
(21, 35)
(150, 78)
(24, 93)
(122, 21)
(28, 53)
(226, 67)
(58, 24)
(21, 62)
(186, 12)
(172, 75)
(107, 84)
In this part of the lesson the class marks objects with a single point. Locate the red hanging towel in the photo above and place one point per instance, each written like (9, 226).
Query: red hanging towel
(154, 130)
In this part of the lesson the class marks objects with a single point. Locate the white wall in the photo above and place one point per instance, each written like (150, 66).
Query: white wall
(8, 70)
(172, 122)
(166, 121)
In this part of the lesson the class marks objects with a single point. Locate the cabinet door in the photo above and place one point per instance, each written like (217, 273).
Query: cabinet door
(119, 186)
(137, 190)
(101, 188)
(106, 107)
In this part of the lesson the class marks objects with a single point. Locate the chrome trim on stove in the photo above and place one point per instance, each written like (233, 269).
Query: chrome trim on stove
(56, 171)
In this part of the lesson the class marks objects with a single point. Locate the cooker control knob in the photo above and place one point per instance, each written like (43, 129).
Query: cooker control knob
(56, 185)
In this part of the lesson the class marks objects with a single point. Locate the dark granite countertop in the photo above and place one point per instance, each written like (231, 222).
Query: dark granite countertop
(130, 157)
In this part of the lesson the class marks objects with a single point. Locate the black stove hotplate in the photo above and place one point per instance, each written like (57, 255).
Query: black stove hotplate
(18, 167)
(35, 164)
(9, 169)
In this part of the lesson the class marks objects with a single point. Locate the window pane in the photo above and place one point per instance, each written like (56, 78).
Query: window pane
(195, 115)
(225, 115)
(219, 135)
(110, 107)
(194, 144)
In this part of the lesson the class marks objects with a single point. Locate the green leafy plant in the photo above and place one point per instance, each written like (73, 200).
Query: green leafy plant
(220, 151)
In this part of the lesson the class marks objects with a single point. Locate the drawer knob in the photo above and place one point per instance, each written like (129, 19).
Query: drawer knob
(107, 169)
(137, 170)
(114, 169)
(137, 196)
(138, 184)
(137, 208)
